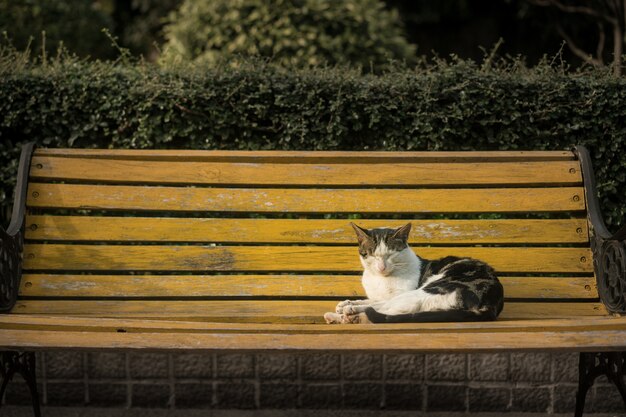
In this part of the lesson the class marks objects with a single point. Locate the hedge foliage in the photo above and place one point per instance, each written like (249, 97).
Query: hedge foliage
(293, 33)
(444, 106)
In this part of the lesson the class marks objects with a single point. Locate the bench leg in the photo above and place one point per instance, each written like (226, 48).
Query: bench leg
(593, 365)
(22, 363)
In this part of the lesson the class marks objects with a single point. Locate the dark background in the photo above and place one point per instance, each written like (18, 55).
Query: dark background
(465, 28)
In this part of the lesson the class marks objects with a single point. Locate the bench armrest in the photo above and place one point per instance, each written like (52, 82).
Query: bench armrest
(11, 239)
(609, 249)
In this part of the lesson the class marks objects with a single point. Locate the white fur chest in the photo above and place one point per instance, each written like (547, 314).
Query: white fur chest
(382, 288)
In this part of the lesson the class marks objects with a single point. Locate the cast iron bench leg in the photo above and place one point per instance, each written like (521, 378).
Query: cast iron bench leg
(593, 365)
(23, 363)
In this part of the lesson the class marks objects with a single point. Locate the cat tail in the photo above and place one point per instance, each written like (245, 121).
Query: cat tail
(429, 316)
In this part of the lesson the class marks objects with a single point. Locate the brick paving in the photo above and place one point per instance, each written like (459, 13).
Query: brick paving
(540, 383)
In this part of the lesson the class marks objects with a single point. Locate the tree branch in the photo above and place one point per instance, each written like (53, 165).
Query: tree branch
(601, 41)
(614, 5)
(618, 43)
(575, 9)
(578, 51)
(618, 10)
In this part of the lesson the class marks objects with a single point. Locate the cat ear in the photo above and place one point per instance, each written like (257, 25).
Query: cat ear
(402, 232)
(361, 233)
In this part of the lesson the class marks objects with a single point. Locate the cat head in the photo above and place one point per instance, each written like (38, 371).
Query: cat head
(380, 249)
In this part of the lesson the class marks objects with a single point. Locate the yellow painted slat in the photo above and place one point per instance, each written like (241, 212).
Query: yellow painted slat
(307, 156)
(281, 258)
(257, 311)
(549, 287)
(100, 324)
(336, 174)
(592, 341)
(225, 230)
(574, 341)
(111, 197)
(63, 285)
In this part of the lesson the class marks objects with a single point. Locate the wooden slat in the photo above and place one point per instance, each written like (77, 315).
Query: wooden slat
(575, 341)
(547, 288)
(307, 156)
(99, 324)
(48, 285)
(150, 229)
(110, 197)
(484, 342)
(335, 174)
(345, 286)
(257, 311)
(281, 258)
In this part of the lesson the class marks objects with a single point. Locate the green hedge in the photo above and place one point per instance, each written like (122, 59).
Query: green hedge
(459, 106)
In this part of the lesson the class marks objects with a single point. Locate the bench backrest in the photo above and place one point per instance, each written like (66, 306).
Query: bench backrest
(265, 236)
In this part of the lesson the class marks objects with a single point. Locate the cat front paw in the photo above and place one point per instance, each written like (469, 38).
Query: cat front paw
(342, 305)
(333, 318)
(351, 319)
(359, 318)
(350, 310)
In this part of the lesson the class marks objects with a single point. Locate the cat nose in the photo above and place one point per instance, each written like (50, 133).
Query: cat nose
(381, 265)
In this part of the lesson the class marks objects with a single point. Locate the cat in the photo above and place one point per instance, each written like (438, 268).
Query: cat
(402, 287)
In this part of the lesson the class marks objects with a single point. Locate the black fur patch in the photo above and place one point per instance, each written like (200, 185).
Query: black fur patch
(429, 316)
(476, 283)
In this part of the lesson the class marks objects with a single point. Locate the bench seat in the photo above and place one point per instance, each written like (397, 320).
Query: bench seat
(579, 334)
(245, 251)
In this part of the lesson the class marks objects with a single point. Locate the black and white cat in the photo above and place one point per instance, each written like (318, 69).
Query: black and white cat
(402, 287)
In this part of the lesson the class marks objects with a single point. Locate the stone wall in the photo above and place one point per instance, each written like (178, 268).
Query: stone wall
(521, 382)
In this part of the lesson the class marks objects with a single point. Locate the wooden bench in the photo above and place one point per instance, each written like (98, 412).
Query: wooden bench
(245, 251)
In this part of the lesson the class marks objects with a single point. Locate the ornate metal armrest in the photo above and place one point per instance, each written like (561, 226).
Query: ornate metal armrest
(10, 268)
(610, 265)
(609, 250)
(11, 240)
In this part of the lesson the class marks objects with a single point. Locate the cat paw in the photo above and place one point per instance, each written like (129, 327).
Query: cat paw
(349, 310)
(359, 318)
(332, 318)
(342, 305)
(350, 319)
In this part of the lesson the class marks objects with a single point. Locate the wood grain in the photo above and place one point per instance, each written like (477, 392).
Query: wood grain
(111, 197)
(100, 324)
(335, 174)
(549, 341)
(225, 230)
(263, 311)
(241, 324)
(345, 286)
(282, 258)
(307, 156)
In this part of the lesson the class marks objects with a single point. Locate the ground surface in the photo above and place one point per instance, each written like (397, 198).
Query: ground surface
(13, 411)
